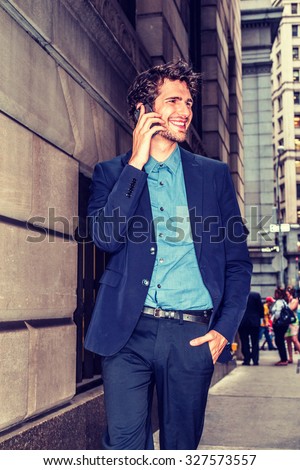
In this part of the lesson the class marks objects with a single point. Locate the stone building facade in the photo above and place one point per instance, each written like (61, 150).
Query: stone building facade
(286, 136)
(65, 69)
(260, 22)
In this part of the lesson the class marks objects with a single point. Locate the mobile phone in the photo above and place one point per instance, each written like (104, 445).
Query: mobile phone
(148, 109)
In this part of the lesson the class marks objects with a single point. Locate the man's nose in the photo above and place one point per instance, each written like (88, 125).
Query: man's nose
(184, 109)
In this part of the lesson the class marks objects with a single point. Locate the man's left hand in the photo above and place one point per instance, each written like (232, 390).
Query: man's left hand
(216, 343)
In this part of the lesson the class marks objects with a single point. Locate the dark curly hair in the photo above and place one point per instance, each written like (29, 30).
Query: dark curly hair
(279, 293)
(145, 87)
(290, 290)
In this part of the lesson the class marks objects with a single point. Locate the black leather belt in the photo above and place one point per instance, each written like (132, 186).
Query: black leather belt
(198, 316)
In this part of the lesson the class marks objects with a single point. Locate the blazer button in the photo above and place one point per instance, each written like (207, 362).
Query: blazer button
(152, 250)
(145, 282)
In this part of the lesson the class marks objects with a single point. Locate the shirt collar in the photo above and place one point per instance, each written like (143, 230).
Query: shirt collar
(172, 162)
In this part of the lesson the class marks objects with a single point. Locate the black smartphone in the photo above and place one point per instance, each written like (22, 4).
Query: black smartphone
(148, 109)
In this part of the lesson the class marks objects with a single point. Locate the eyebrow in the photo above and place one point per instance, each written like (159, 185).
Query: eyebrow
(189, 100)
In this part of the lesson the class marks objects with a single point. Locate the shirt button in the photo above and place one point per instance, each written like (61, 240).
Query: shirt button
(161, 164)
(161, 209)
(145, 282)
(160, 235)
(161, 260)
(159, 286)
(161, 183)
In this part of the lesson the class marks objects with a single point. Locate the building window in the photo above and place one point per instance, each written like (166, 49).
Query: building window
(279, 103)
(295, 30)
(90, 267)
(282, 197)
(294, 8)
(281, 143)
(297, 142)
(296, 97)
(298, 190)
(295, 53)
(280, 124)
(297, 121)
(296, 75)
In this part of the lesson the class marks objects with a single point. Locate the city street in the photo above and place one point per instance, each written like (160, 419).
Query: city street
(255, 407)
(103, 216)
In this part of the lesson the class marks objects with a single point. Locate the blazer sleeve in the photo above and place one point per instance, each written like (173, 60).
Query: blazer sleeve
(113, 201)
(238, 267)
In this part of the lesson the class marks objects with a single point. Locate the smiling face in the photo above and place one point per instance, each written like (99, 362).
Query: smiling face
(174, 103)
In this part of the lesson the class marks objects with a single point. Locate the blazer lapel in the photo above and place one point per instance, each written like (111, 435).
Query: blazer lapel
(193, 177)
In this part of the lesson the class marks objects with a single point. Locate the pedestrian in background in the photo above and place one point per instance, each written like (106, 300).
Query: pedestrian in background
(298, 316)
(279, 329)
(291, 335)
(249, 329)
(266, 329)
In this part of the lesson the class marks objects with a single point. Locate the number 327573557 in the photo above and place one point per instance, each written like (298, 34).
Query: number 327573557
(220, 459)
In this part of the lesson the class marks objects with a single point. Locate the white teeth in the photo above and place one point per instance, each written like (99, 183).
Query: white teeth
(177, 123)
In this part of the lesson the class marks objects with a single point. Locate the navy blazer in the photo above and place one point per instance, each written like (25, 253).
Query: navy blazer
(120, 219)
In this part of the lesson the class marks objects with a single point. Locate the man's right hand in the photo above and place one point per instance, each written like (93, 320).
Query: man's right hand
(144, 130)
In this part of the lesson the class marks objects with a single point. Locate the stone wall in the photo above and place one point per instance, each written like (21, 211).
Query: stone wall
(65, 69)
(222, 84)
(62, 109)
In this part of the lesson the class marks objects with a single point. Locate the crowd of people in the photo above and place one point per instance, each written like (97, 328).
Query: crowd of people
(262, 326)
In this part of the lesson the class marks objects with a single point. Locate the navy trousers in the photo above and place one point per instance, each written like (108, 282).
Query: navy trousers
(279, 332)
(248, 333)
(157, 354)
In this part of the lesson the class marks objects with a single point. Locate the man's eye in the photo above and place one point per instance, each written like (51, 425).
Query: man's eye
(172, 101)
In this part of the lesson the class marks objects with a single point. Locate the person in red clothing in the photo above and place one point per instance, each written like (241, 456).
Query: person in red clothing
(266, 328)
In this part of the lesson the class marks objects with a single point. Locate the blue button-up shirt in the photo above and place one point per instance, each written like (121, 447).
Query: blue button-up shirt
(176, 282)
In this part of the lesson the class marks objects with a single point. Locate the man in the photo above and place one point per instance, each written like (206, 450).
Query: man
(249, 329)
(176, 285)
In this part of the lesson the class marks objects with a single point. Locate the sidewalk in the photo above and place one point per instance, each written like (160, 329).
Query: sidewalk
(255, 407)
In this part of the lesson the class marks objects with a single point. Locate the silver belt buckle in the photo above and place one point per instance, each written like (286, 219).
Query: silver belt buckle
(156, 312)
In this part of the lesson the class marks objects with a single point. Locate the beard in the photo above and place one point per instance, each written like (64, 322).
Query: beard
(173, 136)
